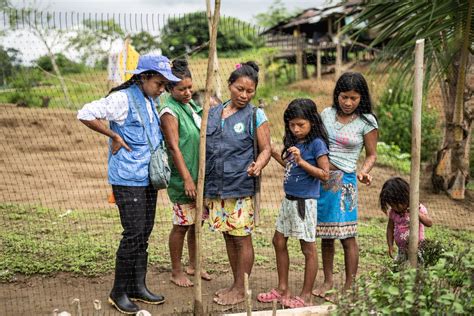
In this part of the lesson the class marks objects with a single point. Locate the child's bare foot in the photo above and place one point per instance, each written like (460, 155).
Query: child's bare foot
(204, 275)
(232, 297)
(321, 290)
(180, 279)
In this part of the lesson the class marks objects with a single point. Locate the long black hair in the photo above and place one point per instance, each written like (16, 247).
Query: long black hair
(181, 70)
(394, 191)
(136, 79)
(248, 69)
(303, 109)
(354, 81)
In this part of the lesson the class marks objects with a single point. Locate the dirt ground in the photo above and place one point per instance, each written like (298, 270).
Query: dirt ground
(49, 158)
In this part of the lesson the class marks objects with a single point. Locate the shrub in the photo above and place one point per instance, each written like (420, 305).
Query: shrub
(391, 155)
(442, 289)
(65, 65)
(23, 82)
(395, 128)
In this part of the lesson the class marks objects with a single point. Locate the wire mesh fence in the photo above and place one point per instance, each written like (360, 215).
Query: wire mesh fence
(59, 232)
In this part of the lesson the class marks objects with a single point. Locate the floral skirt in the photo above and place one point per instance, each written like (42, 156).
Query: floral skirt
(232, 216)
(337, 206)
(183, 214)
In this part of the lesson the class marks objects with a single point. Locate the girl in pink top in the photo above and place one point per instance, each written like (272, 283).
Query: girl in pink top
(394, 198)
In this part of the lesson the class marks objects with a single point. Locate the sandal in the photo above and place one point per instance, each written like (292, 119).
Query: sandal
(293, 302)
(269, 297)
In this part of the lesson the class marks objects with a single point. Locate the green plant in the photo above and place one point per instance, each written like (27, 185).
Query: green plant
(23, 82)
(431, 251)
(66, 66)
(442, 289)
(395, 127)
(391, 156)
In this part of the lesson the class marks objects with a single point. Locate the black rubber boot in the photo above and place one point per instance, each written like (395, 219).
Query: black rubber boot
(118, 296)
(137, 290)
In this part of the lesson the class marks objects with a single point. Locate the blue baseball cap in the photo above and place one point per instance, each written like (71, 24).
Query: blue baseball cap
(158, 63)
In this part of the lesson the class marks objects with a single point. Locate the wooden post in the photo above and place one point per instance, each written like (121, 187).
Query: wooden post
(415, 154)
(338, 52)
(318, 64)
(198, 305)
(217, 77)
(248, 295)
(299, 54)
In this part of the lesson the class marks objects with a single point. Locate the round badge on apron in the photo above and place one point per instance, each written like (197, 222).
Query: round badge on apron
(239, 128)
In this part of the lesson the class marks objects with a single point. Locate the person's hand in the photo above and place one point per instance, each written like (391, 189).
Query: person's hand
(254, 169)
(296, 154)
(190, 188)
(390, 251)
(117, 143)
(364, 178)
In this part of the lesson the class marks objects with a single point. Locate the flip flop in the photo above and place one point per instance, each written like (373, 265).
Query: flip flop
(269, 297)
(293, 302)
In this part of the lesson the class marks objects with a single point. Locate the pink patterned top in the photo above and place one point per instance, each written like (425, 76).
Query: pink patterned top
(402, 227)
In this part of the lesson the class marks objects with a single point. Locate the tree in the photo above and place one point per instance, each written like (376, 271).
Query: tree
(95, 39)
(276, 13)
(184, 34)
(144, 42)
(8, 61)
(448, 30)
(51, 38)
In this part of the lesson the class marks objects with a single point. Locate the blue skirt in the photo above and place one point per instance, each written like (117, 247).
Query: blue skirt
(337, 206)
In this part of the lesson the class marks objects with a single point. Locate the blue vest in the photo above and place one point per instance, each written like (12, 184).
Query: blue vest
(229, 152)
(131, 168)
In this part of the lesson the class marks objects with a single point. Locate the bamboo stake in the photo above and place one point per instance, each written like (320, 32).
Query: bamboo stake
(248, 295)
(415, 154)
(216, 61)
(198, 305)
(274, 307)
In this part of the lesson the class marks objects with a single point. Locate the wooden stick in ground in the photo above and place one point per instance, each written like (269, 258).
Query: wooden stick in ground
(217, 76)
(274, 307)
(415, 154)
(198, 305)
(248, 295)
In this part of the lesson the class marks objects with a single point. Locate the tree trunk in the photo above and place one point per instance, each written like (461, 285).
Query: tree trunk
(451, 172)
(61, 79)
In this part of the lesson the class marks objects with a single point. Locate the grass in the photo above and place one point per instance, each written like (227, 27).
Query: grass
(39, 240)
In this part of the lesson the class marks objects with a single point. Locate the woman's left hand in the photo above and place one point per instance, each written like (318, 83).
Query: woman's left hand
(254, 169)
(364, 178)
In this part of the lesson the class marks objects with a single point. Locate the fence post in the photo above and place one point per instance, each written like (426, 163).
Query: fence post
(338, 52)
(318, 63)
(299, 53)
(198, 305)
(415, 154)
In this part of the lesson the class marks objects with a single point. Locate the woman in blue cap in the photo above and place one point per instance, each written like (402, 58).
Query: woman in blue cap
(129, 156)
